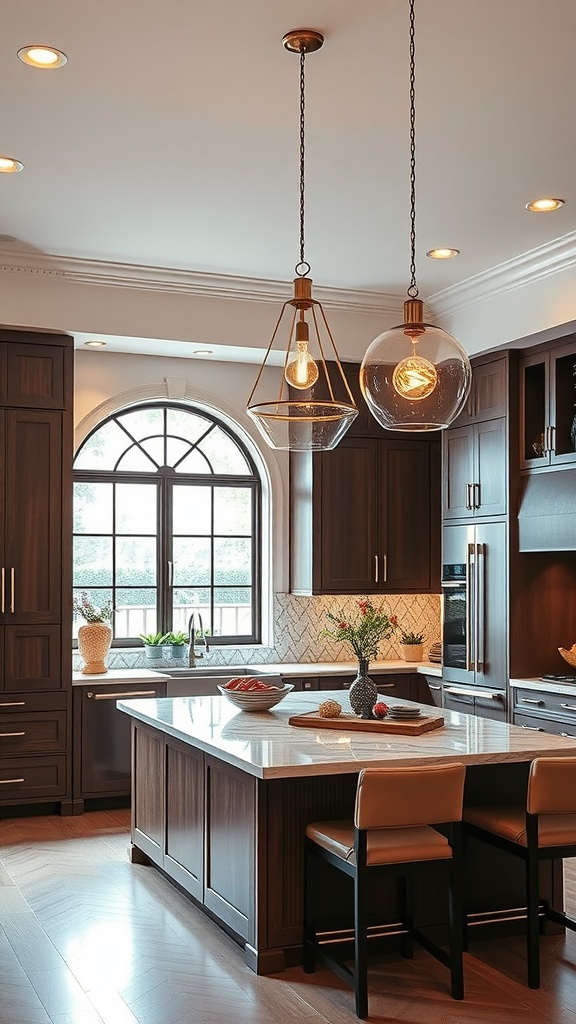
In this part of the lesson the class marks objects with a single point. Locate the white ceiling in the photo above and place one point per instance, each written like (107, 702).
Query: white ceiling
(170, 138)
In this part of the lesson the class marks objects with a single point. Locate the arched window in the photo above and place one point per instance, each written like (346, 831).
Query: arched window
(167, 509)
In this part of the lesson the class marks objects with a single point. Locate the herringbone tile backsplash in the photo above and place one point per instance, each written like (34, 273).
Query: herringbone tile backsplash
(298, 623)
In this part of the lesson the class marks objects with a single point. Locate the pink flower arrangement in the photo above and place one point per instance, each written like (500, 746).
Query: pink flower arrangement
(364, 632)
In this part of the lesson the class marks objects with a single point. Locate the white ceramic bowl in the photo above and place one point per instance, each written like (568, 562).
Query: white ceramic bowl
(256, 700)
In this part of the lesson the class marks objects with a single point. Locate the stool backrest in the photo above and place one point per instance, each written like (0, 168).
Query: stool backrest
(552, 786)
(399, 797)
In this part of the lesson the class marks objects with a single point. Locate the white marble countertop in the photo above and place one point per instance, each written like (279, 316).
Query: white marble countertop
(117, 676)
(287, 669)
(266, 746)
(545, 685)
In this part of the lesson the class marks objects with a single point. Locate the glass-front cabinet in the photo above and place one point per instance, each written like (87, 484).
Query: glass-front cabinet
(548, 406)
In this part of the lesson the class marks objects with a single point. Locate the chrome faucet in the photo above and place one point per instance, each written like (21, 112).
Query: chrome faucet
(193, 654)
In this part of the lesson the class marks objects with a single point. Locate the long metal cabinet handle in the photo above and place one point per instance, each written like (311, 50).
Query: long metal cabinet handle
(9, 782)
(568, 707)
(12, 590)
(12, 703)
(476, 495)
(120, 696)
(552, 439)
(468, 502)
(3, 584)
(4, 734)
(470, 608)
(376, 567)
(481, 607)
(385, 576)
(532, 728)
(531, 700)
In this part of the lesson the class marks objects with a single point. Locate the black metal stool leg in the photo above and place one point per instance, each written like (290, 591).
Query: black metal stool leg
(406, 943)
(360, 945)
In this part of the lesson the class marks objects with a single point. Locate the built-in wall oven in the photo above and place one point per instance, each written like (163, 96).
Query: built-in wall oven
(474, 618)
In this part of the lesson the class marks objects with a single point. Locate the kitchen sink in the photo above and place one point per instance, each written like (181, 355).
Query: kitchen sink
(202, 682)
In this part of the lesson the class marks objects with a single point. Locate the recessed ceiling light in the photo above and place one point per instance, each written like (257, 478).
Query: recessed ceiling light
(8, 165)
(95, 344)
(202, 352)
(442, 254)
(45, 57)
(545, 205)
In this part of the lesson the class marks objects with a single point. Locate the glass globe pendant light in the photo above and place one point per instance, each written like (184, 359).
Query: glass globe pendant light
(313, 407)
(415, 376)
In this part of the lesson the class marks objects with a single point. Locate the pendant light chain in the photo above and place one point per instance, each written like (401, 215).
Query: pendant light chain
(413, 289)
(303, 268)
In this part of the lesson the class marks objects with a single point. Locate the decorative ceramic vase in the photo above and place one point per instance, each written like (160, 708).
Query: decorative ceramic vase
(94, 641)
(363, 693)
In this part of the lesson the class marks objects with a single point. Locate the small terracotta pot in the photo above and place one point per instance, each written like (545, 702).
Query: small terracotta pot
(94, 641)
(412, 652)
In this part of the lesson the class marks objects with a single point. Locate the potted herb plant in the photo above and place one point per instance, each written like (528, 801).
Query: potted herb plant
(152, 645)
(411, 645)
(174, 645)
(95, 637)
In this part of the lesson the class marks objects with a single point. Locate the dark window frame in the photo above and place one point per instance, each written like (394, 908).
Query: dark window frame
(164, 479)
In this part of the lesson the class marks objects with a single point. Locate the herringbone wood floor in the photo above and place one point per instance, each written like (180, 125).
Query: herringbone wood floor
(88, 938)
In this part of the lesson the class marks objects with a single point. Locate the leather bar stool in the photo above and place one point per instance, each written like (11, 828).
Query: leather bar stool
(544, 828)
(393, 833)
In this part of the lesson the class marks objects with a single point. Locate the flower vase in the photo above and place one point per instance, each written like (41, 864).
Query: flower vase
(363, 693)
(94, 641)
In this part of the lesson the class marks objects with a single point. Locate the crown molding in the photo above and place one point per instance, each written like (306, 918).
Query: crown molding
(187, 282)
(519, 272)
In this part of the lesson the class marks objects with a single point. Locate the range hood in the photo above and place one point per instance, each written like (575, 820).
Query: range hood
(547, 511)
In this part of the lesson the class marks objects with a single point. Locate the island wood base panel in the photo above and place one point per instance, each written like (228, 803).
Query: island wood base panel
(234, 843)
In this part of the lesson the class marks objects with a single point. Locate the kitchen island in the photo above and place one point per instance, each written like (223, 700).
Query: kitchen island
(221, 799)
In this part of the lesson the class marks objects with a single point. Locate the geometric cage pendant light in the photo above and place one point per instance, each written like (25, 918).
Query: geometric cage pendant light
(313, 405)
(415, 376)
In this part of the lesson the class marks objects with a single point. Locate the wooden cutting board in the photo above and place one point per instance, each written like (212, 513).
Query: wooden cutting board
(347, 721)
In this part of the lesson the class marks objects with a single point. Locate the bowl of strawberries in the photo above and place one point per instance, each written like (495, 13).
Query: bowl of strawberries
(252, 694)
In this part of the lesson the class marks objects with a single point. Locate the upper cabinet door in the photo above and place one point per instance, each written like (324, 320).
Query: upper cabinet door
(458, 472)
(32, 531)
(34, 376)
(346, 518)
(488, 396)
(405, 516)
(548, 407)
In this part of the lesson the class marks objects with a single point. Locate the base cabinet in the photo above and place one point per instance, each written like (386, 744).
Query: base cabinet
(545, 711)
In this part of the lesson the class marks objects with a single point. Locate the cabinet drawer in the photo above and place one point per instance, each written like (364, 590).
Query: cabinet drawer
(22, 703)
(401, 687)
(548, 703)
(37, 732)
(555, 725)
(26, 778)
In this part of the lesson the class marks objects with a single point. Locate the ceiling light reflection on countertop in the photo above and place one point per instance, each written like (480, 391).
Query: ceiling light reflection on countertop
(442, 254)
(8, 165)
(45, 57)
(544, 205)
(95, 344)
(202, 352)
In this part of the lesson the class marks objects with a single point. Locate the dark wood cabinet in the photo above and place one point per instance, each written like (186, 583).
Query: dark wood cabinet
(371, 507)
(475, 450)
(547, 406)
(36, 396)
(475, 470)
(488, 398)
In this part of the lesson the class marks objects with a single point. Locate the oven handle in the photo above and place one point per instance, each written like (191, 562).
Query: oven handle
(471, 610)
(468, 692)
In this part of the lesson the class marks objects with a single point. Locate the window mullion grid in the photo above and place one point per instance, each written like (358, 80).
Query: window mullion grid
(164, 554)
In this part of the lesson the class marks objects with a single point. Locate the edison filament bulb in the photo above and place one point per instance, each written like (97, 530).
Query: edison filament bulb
(301, 369)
